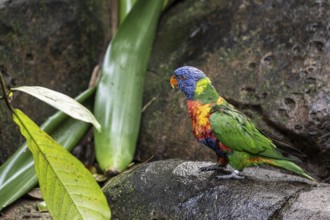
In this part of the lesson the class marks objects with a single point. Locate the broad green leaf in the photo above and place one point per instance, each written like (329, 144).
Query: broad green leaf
(17, 174)
(125, 7)
(66, 185)
(123, 75)
(61, 102)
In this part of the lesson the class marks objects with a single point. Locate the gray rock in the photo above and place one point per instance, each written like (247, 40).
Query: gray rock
(313, 204)
(176, 189)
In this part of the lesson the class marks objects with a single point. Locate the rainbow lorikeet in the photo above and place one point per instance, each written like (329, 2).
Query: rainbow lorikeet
(218, 125)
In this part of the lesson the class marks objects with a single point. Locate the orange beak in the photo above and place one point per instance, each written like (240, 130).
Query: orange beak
(173, 82)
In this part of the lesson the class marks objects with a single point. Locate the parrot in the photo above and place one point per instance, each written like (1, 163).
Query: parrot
(232, 135)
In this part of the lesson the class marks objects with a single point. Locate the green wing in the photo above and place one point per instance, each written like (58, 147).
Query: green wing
(237, 132)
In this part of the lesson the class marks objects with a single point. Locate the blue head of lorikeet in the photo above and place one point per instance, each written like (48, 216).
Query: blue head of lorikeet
(186, 78)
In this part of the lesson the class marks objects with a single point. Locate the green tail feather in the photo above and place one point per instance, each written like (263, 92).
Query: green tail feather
(290, 166)
(239, 160)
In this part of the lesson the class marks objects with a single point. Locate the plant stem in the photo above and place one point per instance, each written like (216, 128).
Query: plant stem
(5, 93)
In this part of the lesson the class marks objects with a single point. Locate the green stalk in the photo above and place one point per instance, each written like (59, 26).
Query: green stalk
(17, 174)
(118, 98)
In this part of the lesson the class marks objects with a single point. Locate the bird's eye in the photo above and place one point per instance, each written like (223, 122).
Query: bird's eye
(182, 77)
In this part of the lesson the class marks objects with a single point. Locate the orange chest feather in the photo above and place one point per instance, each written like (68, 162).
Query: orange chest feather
(199, 114)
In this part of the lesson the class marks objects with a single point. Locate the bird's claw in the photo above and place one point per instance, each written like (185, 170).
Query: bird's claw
(233, 175)
(212, 167)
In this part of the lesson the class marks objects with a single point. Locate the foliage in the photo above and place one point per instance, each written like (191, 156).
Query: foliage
(123, 72)
(17, 174)
(61, 102)
(125, 7)
(68, 188)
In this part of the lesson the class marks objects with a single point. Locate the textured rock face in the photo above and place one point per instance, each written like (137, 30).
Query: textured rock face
(51, 43)
(314, 204)
(270, 59)
(176, 189)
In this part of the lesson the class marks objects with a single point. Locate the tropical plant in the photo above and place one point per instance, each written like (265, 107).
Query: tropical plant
(69, 189)
(117, 107)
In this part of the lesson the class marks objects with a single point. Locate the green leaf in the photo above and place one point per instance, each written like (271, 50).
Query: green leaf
(68, 188)
(61, 102)
(17, 174)
(125, 7)
(118, 100)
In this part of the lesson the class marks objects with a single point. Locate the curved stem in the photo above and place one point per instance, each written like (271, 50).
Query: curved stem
(5, 93)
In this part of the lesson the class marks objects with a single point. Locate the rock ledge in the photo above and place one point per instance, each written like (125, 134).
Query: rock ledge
(176, 189)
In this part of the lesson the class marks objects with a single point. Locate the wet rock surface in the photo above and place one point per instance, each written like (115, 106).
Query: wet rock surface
(176, 189)
(268, 58)
(313, 204)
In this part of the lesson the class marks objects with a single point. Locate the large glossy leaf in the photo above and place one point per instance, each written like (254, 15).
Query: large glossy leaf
(68, 188)
(61, 102)
(118, 98)
(125, 7)
(17, 174)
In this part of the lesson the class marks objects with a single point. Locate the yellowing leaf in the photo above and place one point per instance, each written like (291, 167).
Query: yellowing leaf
(61, 102)
(66, 185)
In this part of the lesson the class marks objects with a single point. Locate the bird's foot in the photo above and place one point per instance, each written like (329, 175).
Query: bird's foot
(213, 167)
(233, 175)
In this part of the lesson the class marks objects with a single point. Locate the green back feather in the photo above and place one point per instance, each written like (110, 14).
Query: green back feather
(237, 132)
(231, 127)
